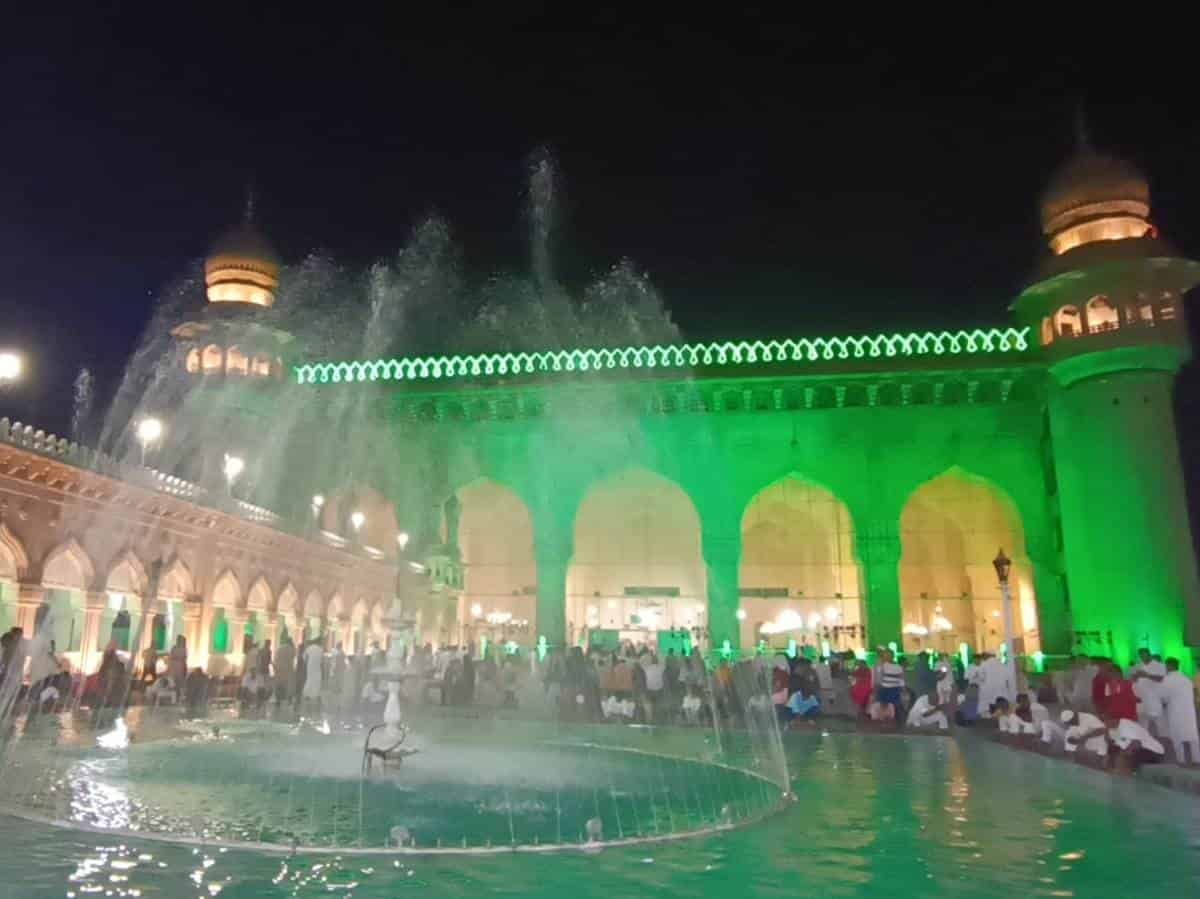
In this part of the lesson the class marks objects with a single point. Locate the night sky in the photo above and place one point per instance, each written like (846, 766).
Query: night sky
(770, 180)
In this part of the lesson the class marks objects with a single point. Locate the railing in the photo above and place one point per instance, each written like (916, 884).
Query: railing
(38, 441)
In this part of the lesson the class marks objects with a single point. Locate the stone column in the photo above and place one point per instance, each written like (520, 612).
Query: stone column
(553, 557)
(29, 600)
(92, 642)
(193, 607)
(1049, 584)
(878, 546)
(235, 655)
(271, 629)
(722, 549)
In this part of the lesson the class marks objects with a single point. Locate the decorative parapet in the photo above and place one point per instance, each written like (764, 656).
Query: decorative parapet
(50, 445)
(667, 356)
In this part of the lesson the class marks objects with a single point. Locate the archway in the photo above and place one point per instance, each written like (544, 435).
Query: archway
(1101, 315)
(312, 616)
(359, 621)
(799, 579)
(258, 605)
(66, 574)
(289, 619)
(334, 614)
(638, 572)
(495, 539)
(13, 562)
(175, 585)
(121, 619)
(224, 646)
(951, 529)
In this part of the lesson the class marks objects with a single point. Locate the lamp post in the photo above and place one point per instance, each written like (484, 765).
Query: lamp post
(357, 520)
(149, 430)
(1002, 564)
(233, 468)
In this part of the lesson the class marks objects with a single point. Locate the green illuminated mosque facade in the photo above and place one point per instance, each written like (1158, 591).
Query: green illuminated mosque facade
(847, 492)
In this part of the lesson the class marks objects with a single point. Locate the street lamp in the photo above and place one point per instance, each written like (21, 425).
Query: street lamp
(402, 540)
(1003, 564)
(358, 519)
(11, 367)
(149, 430)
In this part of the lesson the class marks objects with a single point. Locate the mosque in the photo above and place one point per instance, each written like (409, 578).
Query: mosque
(842, 492)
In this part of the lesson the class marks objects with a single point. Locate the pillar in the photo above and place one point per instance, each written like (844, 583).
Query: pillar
(721, 546)
(92, 642)
(29, 600)
(878, 547)
(193, 607)
(553, 557)
(1054, 615)
(236, 655)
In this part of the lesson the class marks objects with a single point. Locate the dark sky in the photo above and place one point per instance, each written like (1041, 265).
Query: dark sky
(769, 179)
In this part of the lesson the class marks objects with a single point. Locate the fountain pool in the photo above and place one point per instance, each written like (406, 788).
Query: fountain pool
(909, 816)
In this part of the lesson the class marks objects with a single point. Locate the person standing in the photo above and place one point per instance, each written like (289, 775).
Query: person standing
(178, 659)
(313, 657)
(1120, 700)
(285, 669)
(1147, 677)
(995, 682)
(1179, 697)
(891, 685)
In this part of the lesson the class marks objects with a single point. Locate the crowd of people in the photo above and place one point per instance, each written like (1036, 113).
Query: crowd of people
(1091, 709)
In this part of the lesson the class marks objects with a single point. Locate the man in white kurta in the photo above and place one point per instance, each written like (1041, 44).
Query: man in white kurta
(1147, 678)
(995, 683)
(1086, 731)
(925, 714)
(313, 656)
(1179, 701)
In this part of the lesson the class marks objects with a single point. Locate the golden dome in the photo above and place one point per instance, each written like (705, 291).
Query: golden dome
(242, 267)
(1093, 197)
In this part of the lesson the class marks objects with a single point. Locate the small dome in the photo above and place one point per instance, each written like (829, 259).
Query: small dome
(242, 267)
(1092, 197)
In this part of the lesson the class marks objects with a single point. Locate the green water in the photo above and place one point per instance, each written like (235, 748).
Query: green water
(875, 815)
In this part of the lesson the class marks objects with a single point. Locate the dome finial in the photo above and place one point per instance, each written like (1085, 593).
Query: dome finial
(1083, 141)
(248, 212)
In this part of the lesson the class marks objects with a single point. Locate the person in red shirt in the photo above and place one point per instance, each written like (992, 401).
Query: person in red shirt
(1120, 701)
(1100, 685)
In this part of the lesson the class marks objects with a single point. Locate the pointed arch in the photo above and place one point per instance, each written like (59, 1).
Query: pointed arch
(496, 542)
(14, 561)
(335, 609)
(68, 566)
(314, 605)
(226, 591)
(288, 598)
(951, 527)
(127, 574)
(176, 581)
(260, 597)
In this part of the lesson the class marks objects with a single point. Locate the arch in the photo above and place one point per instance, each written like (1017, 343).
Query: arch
(495, 541)
(378, 625)
(950, 530)
(236, 362)
(260, 597)
(226, 591)
(314, 605)
(192, 361)
(14, 561)
(798, 557)
(288, 597)
(127, 574)
(638, 566)
(260, 366)
(176, 581)
(68, 567)
(212, 359)
(1067, 322)
(1101, 315)
(335, 610)
(1047, 331)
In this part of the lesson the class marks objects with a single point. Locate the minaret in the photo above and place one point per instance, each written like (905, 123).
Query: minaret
(1106, 307)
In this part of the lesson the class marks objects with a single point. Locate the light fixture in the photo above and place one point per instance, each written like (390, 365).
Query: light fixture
(233, 467)
(832, 613)
(741, 614)
(402, 540)
(149, 430)
(318, 501)
(10, 367)
(1002, 564)
(357, 519)
(476, 610)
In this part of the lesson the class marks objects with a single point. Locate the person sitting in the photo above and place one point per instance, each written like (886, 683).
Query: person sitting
(926, 711)
(163, 691)
(1086, 736)
(801, 706)
(1134, 746)
(691, 706)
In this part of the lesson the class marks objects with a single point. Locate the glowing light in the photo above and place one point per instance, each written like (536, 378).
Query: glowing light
(497, 617)
(318, 501)
(832, 614)
(402, 540)
(233, 467)
(824, 649)
(476, 610)
(149, 430)
(117, 738)
(685, 355)
(1039, 661)
(10, 367)
(542, 647)
(814, 620)
(417, 567)
(914, 629)
(787, 620)
(940, 623)
(741, 614)
(726, 649)
(357, 519)
(964, 653)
